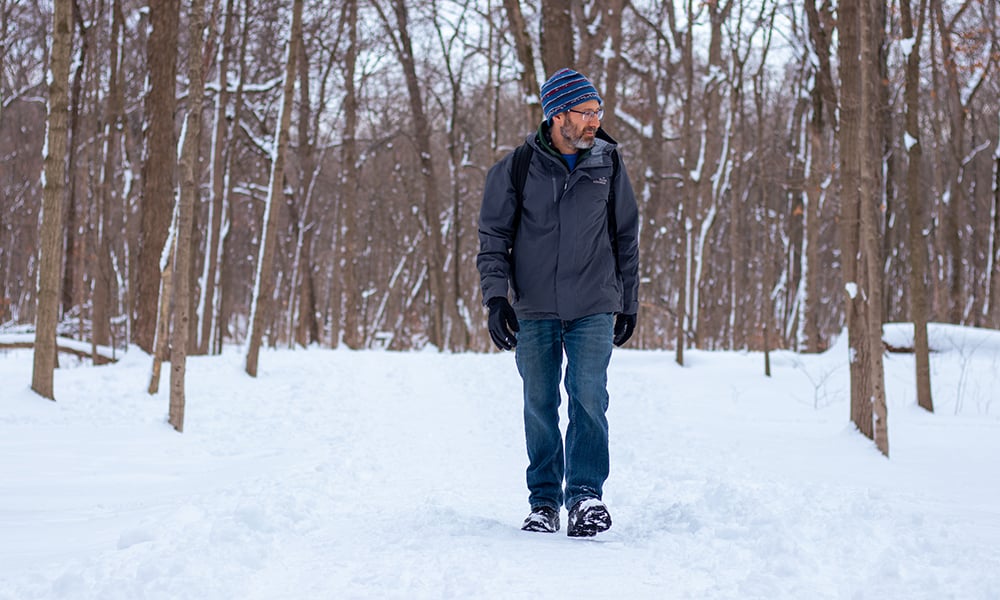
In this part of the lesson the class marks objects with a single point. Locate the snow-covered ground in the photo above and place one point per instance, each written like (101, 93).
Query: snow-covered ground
(340, 474)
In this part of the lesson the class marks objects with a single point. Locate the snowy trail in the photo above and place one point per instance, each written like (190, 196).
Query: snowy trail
(344, 474)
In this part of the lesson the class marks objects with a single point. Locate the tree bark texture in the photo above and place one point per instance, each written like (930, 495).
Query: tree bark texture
(528, 79)
(187, 198)
(103, 272)
(916, 205)
(872, 39)
(346, 324)
(158, 167)
(50, 261)
(556, 38)
(851, 156)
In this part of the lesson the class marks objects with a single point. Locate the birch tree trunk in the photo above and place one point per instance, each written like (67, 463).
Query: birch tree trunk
(187, 196)
(159, 164)
(264, 281)
(50, 261)
(916, 205)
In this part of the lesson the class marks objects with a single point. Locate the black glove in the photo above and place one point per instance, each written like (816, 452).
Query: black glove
(624, 326)
(503, 322)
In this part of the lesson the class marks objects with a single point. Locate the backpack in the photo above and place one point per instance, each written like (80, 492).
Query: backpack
(519, 175)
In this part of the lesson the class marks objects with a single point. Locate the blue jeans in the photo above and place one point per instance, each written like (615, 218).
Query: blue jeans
(584, 463)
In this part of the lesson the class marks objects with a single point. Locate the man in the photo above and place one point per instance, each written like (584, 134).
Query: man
(566, 248)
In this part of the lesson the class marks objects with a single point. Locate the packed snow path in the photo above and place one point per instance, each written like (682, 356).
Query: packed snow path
(340, 474)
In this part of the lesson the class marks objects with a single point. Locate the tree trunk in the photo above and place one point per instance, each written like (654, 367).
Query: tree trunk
(556, 36)
(954, 209)
(158, 167)
(74, 269)
(688, 193)
(161, 338)
(872, 36)
(264, 283)
(916, 205)
(526, 55)
(113, 120)
(823, 121)
(50, 261)
(851, 149)
(994, 263)
(345, 322)
(302, 325)
(223, 281)
(187, 198)
(217, 175)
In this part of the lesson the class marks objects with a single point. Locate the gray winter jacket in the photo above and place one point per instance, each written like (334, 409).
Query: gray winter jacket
(560, 263)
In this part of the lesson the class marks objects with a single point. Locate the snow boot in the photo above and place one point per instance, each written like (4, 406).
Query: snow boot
(587, 518)
(542, 518)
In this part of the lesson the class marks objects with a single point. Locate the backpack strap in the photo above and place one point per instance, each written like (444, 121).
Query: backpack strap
(518, 176)
(612, 221)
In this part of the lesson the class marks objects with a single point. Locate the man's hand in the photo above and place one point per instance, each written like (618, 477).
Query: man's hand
(503, 323)
(624, 326)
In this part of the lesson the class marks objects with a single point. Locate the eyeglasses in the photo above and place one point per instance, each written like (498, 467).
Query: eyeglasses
(589, 115)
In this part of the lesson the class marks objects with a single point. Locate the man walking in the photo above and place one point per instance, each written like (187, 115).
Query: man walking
(559, 231)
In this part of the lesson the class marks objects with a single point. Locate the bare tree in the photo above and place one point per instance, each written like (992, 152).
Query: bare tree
(54, 189)
(872, 38)
(861, 268)
(399, 30)
(186, 199)
(822, 124)
(217, 175)
(916, 203)
(526, 55)
(159, 164)
(112, 136)
(264, 282)
(345, 323)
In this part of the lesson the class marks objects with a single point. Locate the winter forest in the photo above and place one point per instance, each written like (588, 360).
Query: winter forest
(182, 175)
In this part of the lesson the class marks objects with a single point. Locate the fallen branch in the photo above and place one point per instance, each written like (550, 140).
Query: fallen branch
(99, 359)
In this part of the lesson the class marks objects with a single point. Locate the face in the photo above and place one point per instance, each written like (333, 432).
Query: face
(577, 130)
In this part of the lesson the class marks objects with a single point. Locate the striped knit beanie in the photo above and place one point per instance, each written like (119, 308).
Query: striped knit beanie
(565, 89)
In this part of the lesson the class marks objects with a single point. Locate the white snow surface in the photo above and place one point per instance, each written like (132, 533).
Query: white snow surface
(344, 474)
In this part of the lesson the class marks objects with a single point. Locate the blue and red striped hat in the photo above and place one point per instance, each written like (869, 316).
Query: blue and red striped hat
(565, 89)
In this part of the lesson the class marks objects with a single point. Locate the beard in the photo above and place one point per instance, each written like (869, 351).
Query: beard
(582, 138)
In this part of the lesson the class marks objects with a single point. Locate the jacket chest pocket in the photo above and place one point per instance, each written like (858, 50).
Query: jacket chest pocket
(590, 192)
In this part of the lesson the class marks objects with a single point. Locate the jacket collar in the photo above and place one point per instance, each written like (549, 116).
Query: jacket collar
(543, 138)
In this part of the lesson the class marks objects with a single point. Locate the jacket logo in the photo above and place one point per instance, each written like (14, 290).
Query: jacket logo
(601, 181)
